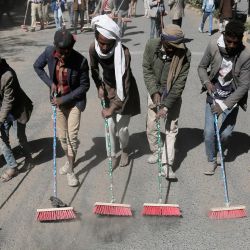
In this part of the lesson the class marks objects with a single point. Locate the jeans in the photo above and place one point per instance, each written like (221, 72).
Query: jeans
(58, 18)
(155, 27)
(118, 124)
(227, 125)
(5, 146)
(71, 12)
(204, 18)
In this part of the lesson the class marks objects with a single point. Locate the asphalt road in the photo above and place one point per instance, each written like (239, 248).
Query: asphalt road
(135, 184)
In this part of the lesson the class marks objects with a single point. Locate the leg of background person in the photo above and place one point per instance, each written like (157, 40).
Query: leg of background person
(204, 18)
(40, 15)
(82, 19)
(158, 27)
(5, 146)
(210, 23)
(20, 132)
(76, 13)
(152, 28)
(56, 20)
(33, 16)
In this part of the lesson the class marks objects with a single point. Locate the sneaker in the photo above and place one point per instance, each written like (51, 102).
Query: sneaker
(64, 169)
(200, 30)
(210, 168)
(210, 33)
(72, 180)
(152, 159)
(168, 172)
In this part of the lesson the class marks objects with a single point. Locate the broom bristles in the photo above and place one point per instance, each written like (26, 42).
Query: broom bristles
(52, 214)
(221, 213)
(161, 209)
(116, 209)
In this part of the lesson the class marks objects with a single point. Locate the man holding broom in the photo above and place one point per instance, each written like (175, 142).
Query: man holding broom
(226, 83)
(166, 63)
(117, 87)
(68, 83)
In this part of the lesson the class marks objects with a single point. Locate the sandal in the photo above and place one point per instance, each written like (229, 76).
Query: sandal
(9, 174)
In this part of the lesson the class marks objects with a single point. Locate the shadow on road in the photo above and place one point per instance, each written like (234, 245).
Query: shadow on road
(187, 139)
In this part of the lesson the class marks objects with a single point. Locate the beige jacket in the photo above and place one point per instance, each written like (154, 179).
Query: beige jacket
(176, 9)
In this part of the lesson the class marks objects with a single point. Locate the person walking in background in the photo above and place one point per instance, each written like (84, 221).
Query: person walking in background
(15, 110)
(36, 9)
(146, 8)
(68, 81)
(117, 87)
(57, 7)
(225, 13)
(79, 9)
(104, 7)
(166, 63)
(45, 10)
(208, 8)
(70, 7)
(156, 12)
(176, 11)
(224, 74)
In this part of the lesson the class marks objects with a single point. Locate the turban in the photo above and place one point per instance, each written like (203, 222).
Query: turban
(110, 30)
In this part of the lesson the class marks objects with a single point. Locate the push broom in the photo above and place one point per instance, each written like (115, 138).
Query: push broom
(112, 208)
(160, 209)
(60, 210)
(227, 212)
(24, 26)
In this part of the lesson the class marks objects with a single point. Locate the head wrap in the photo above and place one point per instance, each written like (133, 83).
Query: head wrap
(173, 35)
(110, 30)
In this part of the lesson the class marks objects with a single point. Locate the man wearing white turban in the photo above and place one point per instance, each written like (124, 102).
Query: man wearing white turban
(117, 86)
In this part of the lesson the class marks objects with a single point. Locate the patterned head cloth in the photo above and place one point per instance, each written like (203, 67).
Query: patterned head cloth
(173, 35)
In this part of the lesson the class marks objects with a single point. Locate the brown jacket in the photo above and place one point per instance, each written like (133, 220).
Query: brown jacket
(82, 6)
(13, 100)
(131, 104)
(226, 8)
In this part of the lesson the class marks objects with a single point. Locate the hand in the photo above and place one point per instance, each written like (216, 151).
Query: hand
(107, 112)
(53, 89)
(216, 109)
(56, 101)
(162, 113)
(156, 98)
(101, 93)
(210, 88)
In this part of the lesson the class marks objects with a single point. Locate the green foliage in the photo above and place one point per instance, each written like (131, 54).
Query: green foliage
(247, 25)
(195, 3)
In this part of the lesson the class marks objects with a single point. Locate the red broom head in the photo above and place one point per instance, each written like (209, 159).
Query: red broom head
(227, 213)
(53, 214)
(114, 209)
(161, 209)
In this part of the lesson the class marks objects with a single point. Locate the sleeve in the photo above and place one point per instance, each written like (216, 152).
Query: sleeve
(204, 65)
(94, 67)
(39, 66)
(7, 85)
(148, 73)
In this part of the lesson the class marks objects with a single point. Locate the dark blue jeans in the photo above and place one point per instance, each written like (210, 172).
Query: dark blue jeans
(19, 131)
(229, 118)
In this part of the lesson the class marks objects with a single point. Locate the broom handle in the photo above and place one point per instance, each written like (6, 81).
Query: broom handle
(108, 143)
(159, 151)
(223, 173)
(54, 151)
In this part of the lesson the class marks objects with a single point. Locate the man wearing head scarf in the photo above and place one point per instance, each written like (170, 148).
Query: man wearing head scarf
(166, 63)
(68, 81)
(224, 74)
(117, 85)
